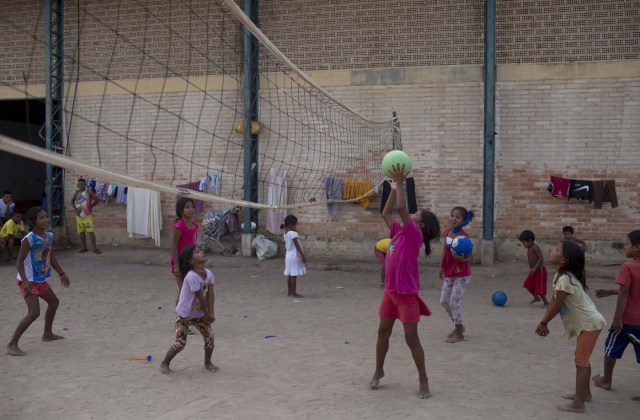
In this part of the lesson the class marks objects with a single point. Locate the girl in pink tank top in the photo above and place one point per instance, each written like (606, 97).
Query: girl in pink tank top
(401, 299)
(185, 233)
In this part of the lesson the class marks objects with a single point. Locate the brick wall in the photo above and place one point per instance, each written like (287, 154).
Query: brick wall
(332, 34)
(578, 129)
(541, 121)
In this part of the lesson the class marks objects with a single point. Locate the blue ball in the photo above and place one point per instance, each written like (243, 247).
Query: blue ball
(499, 298)
(462, 245)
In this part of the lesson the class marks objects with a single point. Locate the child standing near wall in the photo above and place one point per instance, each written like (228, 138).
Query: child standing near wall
(295, 259)
(185, 233)
(568, 234)
(536, 281)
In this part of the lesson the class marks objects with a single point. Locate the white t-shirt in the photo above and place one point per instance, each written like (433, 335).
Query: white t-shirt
(578, 313)
(188, 304)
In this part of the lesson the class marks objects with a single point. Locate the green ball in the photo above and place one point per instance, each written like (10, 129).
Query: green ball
(394, 158)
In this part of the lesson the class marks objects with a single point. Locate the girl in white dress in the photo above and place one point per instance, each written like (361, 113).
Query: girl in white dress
(295, 259)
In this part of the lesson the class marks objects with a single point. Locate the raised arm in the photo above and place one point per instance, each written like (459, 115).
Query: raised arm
(399, 176)
(388, 206)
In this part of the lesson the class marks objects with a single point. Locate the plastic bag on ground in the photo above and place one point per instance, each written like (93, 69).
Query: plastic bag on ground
(265, 248)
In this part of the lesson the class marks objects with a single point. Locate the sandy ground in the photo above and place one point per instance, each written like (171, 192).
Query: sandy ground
(120, 305)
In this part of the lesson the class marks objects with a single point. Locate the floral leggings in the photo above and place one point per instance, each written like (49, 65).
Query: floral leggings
(453, 289)
(182, 329)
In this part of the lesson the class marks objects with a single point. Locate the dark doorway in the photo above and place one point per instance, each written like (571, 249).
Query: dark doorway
(23, 120)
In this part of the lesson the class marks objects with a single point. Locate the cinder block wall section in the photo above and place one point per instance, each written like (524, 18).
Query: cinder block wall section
(567, 103)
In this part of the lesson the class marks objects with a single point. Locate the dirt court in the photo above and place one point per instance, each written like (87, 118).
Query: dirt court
(121, 305)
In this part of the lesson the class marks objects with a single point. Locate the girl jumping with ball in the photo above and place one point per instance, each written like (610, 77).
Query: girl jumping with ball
(402, 279)
(455, 271)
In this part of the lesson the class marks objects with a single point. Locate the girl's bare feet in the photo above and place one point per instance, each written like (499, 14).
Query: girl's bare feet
(534, 300)
(456, 337)
(572, 407)
(295, 295)
(424, 392)
(164, 368)
(375, 380)
(452, 333)
(52, 337)
(601, 382)
(636, 398)
(573, 397)
(14, 350)
(211, 367)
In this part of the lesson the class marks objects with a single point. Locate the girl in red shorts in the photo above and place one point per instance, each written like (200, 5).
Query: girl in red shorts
(34, 270)
(402, 279)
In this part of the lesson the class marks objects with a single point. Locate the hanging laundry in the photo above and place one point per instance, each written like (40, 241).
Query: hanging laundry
(581, 190)
(121, 197)
(277, 195)
(559, 187)
(412, 202)
(111, 190)
(193, 186)
(101, 191)
(605, 192)
(210, 184)
(232, 223)
(333, 187)
(355, 188)
(144, 215)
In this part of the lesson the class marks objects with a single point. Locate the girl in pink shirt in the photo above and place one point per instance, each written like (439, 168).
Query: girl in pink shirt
(455, 271)
(185, 233)
(402, 280)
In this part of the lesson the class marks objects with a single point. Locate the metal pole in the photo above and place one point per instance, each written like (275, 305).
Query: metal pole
(54, 82)
(48, 57)
(488, 211)
(250, 114)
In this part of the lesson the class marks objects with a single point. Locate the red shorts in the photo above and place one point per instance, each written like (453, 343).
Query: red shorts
(536, 283)
(406, 308)
(36, 288)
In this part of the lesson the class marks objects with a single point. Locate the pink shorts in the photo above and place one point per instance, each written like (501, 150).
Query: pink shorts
(406, 308)
(36, 288)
